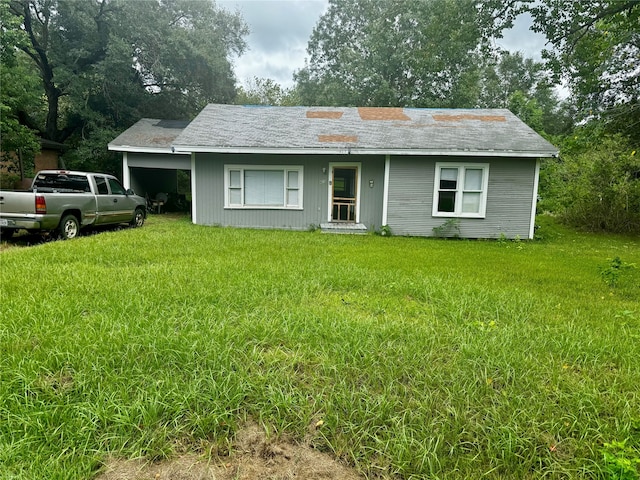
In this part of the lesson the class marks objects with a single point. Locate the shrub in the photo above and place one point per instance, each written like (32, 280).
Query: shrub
(595, 184)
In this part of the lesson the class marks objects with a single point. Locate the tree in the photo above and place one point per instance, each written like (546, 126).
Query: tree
(105, 63)
(18, 142)
(264, 91)
(595, 48)
(393, 52)
(509, 80)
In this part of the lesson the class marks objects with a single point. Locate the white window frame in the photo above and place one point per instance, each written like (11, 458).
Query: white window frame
(459, 191)
(285, 187)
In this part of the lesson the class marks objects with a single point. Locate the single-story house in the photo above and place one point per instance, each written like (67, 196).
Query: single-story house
(471, 173)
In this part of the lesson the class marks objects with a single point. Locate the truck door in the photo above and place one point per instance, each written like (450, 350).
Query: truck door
(106, 203)
(123, 205)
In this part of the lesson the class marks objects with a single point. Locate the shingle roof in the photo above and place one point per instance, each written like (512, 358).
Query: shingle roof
(149, 135)
(487, 132)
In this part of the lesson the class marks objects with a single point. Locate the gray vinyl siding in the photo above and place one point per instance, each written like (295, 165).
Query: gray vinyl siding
(371, 197)
(209, 195)
(509, 197)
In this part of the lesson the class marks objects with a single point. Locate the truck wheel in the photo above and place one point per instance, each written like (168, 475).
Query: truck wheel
(69, 227)
(138, 218)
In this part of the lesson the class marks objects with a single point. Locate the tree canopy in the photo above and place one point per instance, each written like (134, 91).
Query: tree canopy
(18, 86)
(594, 48)
(103, 64)
(393, 52)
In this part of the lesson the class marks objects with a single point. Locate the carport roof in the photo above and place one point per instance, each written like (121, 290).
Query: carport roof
(364, 130)
(149, 135)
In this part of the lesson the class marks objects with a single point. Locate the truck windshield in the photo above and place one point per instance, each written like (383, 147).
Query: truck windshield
(61, 182)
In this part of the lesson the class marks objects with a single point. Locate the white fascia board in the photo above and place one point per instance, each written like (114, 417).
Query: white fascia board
(364, 151)
(126, 148)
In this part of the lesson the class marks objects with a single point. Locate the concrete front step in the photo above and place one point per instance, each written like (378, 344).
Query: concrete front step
(348, 228)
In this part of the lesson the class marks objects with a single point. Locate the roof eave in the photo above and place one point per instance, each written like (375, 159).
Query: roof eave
(134, 149)
(347, 150)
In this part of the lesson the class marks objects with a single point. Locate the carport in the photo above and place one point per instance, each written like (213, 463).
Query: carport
(150, 166)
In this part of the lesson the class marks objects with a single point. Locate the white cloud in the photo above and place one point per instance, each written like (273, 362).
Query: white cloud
(280, 31)
(522, 39)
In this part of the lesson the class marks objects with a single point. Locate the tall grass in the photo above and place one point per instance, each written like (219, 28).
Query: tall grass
(423, 358)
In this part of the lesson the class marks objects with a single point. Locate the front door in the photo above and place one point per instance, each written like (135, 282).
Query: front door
(344, 194)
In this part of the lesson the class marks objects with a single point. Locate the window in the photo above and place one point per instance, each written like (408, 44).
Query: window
(101, 184)
(248, 186)
(116, 188)
(62, 182)
(460, 190)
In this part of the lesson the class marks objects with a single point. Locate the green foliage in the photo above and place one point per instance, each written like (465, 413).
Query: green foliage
(101, 67)
(390, 53)
(450, 228)
(622, 461)
(595, 184)
(385, 231)
(508, 80)
(504, 241)
(613, 271)
(18, 92)
(527, 109)
(264, 91)
(594, 49)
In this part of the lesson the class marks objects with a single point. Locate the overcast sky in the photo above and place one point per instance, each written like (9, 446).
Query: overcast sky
(280, 31)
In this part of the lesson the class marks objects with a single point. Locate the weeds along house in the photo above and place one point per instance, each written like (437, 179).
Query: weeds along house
(470, 173)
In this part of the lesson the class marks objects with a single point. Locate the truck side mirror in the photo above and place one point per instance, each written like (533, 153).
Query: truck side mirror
(130, 192)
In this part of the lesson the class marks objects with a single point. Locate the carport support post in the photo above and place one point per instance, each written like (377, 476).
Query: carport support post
(194, 203)
(126, 176)
(385, 194)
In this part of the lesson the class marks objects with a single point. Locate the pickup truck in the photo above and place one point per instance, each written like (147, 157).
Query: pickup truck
(64, 202)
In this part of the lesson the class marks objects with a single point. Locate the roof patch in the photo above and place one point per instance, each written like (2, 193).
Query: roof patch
(382, 113)
(163, 140)
(337, 138)
(468, 116)
(324, 114)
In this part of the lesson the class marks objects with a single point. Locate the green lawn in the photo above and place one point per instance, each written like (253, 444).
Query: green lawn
(424, 358)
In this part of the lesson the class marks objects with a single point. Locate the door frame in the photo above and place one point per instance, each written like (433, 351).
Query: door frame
(358, 168)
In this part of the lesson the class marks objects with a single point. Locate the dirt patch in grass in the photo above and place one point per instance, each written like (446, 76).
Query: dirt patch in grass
(253, 457)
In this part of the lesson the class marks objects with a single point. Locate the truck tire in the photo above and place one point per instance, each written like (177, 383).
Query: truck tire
(69, 227)
(138, 218)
